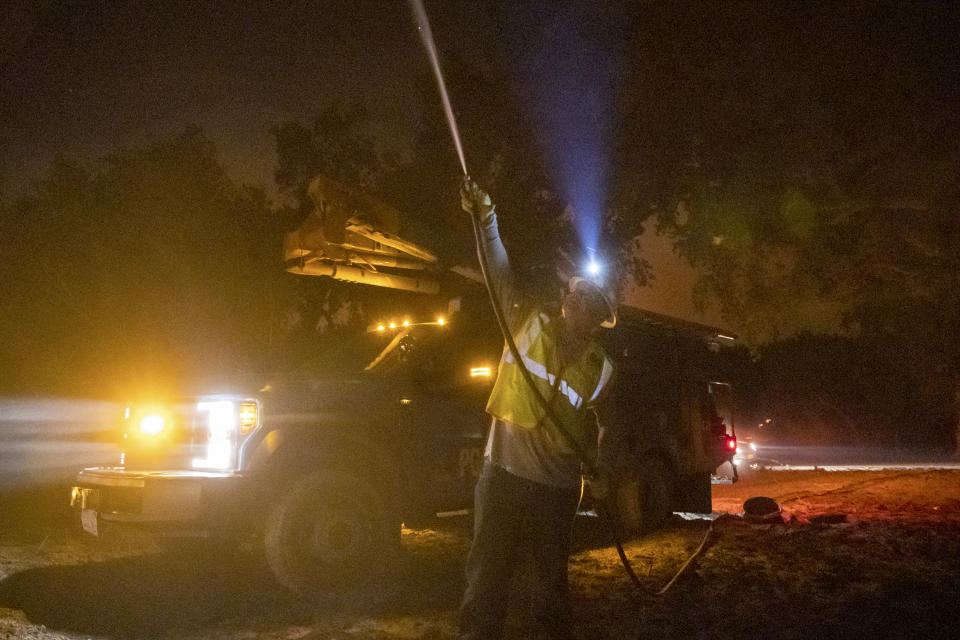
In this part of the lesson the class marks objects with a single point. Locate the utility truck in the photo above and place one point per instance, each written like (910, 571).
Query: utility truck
(323, 465)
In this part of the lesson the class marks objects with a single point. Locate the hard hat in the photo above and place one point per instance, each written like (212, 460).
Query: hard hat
(607, 296)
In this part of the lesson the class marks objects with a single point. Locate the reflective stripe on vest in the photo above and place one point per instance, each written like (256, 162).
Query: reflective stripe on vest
(513, 401)
(540, 371)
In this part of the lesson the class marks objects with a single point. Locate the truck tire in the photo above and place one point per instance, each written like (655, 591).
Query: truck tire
(642, 498)
(330, 538)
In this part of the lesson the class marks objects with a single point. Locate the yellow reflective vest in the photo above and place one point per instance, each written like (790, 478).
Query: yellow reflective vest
(569, 391)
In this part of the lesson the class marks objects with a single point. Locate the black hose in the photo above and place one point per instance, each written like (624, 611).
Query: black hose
(606, 518)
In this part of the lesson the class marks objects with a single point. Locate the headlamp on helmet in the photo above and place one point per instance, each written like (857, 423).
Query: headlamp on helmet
(611, 310)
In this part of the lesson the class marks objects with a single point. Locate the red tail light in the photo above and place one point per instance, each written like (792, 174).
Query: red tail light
(731, 443)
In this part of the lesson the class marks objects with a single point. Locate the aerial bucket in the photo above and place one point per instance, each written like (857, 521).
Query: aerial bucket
(352, 236)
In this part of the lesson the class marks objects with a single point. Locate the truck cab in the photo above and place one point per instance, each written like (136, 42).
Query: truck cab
(388, 425)
(323, 465)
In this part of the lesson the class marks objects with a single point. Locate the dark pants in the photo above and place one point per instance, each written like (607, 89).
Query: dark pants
(511, 512)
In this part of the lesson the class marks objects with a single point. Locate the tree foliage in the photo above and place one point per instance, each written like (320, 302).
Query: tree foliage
(504, 156)
(336, 144)
(150, 267)
(797, 157)
(800, 161)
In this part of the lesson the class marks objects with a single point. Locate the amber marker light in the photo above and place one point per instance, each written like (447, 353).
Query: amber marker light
(478, 372)
(248, 417)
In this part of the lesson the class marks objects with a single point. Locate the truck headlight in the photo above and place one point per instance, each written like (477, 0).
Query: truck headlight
(227, 422)
(222, 424)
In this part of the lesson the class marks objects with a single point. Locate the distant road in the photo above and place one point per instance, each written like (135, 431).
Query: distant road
(781, 457)
(892, 466)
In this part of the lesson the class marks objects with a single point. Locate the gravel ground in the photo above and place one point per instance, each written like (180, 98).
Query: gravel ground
(889, 569)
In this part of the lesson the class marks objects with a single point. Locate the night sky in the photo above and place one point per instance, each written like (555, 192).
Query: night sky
(83, 77)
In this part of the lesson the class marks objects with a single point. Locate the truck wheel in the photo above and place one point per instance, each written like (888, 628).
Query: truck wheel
(642, 498)
(330, 538)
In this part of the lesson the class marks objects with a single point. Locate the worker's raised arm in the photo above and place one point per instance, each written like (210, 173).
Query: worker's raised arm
(477, 203)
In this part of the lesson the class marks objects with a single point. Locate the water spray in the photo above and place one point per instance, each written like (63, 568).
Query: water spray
(426, 36)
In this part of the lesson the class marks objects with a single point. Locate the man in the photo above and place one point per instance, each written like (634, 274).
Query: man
(530, 485)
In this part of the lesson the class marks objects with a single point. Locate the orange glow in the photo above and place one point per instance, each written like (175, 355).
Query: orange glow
(248, 417)
(148, 424)
(480, 372)
(152, 424)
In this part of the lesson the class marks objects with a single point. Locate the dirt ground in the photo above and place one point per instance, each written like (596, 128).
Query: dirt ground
(890, 569)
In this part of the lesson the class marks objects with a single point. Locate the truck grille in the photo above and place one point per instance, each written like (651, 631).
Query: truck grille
(108, 499)
(120, 499)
